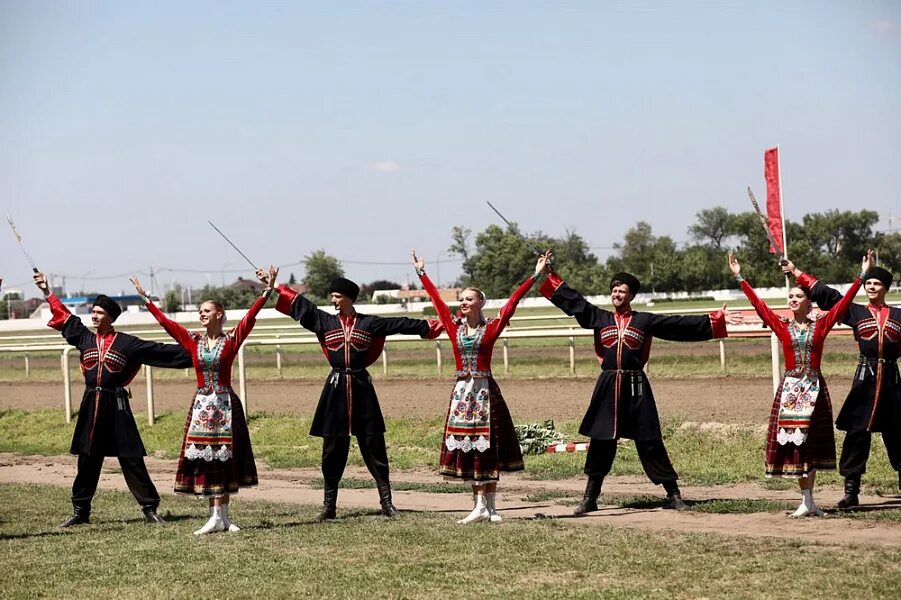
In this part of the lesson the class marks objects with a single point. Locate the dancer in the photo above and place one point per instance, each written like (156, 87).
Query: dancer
(479, 439)
(106, 426)
(348, 404)
(800, 440)
(874, 402)
(622, 404)
(216, 458)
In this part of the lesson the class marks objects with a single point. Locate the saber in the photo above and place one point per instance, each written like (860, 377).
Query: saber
(225, 237)
(9, 219)
(513, 228)
(764, 222)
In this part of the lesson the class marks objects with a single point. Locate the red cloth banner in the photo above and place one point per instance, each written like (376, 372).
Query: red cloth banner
(774, 197)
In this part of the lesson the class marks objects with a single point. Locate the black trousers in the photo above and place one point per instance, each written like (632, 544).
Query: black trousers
(136, 477)
(335, 449)
(856, 451)
(652, 454)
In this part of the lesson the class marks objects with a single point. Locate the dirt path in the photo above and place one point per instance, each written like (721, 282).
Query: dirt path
(722, 399)
(294, 486)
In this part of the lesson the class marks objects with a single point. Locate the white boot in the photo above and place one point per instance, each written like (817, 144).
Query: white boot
(492, 511)
(229, 526)
(214, 524)
(808, 507)
(479, 513)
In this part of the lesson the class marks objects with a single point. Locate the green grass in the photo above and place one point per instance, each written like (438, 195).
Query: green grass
(701, 456)
(281, 554)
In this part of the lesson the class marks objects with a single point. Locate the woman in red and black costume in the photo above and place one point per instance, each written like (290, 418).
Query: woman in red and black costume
(479, 439)
(874, 401)
(800, 439)
(106, 425)
(216, 458)
(622, 404)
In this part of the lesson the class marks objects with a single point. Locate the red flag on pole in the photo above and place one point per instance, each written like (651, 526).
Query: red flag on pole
(774, 197)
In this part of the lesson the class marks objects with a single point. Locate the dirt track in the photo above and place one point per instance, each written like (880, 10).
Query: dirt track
(293, 486)
(722, 400)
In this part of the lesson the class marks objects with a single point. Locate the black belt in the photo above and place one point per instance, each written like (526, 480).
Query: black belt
(122, 395)
(333, 376)
(636, 382)
(866, 360)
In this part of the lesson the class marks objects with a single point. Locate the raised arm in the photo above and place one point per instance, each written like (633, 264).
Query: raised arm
(824, 296)
(300, 309)
(770, 318)
(441, 308)
(572, 302)
(837, 312)
(61, 319)
(507, 310)
(177, 331)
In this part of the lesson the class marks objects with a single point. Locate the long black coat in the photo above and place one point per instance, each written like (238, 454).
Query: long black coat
(348, 404)
(105, 424)
(874, 401)
(622, 404)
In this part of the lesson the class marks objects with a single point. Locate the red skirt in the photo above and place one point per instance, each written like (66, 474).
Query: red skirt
(503, 453)
(816, 453)
(215, 478)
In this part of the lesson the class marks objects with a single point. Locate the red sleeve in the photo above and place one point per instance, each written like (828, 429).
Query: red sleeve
(435, 329)
(243, 328)
(550, 285)
(444, 314)
(806, 281)
(60, 314)
(178, 333)
(718, 324)
(286, 297)
(770, 318)
(837, 313)
(503, 317)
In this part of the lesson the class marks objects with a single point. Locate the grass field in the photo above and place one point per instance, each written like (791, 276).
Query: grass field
(281, 554)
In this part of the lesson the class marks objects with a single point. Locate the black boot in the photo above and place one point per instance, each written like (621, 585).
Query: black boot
(673, 496)
(385, 498)
(330, 503)
(80, 516)
(852, 489)
(590, 498)
(151, 516)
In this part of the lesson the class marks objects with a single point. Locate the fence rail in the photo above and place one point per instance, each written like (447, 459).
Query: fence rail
(290, 334)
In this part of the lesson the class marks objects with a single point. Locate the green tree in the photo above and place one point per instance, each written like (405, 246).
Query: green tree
(172, 301)
(460, 246)
(502, 260)
(888, 247)
(574, 260)
(713, 227)
(367, 289)
(321, 269)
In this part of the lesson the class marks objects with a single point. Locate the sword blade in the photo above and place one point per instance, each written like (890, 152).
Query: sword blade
(238, 250)
(765, 223)
(12, 225)
(515, 230)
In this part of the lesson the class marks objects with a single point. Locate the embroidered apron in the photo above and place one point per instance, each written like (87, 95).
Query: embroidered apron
(799, 392)
(468, 424)
(209, 435)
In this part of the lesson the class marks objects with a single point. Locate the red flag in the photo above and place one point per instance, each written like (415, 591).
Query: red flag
(774, 197)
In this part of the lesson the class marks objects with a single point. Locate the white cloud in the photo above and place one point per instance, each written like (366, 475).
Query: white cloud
(883, 25)
(386, 166)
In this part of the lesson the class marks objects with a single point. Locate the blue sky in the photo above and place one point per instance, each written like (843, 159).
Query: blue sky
(368, 128)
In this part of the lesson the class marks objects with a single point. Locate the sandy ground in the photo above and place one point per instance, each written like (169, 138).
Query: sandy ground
(292, 486)
(721, 400)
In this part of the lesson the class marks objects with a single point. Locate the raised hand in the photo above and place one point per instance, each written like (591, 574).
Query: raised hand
(789, 268)
(418, 261)
(268, 278)
(544, 261)
(138, 287)
(733, 264)
(867, 261)
(41, 282)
